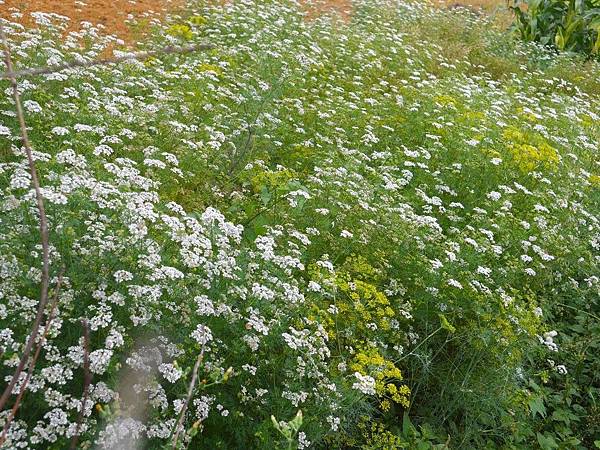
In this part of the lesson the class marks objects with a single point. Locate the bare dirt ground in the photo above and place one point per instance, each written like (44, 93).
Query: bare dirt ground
(115, 15)
(343, 8)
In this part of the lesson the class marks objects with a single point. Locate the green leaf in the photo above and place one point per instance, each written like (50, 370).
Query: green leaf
(275, 423)
(445, 324)
(536, 406)
(546, 442)
(407, 426)
(265, 195)
(296, 422)
(562, 415)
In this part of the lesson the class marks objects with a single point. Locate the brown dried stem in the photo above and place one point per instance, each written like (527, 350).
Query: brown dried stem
(33, 361)
(140, 56)
(43, 226)
(191, 387)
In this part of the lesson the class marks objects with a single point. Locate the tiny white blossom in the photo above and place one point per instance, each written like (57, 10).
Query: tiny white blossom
(365, 384)
(202, 334)
(346, 234)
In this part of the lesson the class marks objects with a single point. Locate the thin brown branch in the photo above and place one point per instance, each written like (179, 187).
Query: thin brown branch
(87, 380)
(191, 387)
(33, 361)
(43, 226)
(140, 56)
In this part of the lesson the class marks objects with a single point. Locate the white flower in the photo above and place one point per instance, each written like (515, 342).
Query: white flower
(202, 334)
(526, 258)
(548, 340)
(122, 275)
(495, 196)
(436, 264)
(99, 360)
(205, 306)
(60, 131)
(455, 284)
(485, 271)
(346, 234)
(302, 441)
(80, 127)
(114, 339)
(365, 384)
(249, 368)
(334, 422)
(170, 372)
(252, 341)
(32, 106)
(57, 417)
(103, 150)
(314, 287)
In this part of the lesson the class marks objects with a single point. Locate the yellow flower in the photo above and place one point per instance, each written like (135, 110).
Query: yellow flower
(530, 152)
(181, 31)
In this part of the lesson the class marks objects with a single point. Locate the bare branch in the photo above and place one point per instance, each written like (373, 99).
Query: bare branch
(33, 361)
(86, 382)
(191, 387)
(43, 226)
(140, 56)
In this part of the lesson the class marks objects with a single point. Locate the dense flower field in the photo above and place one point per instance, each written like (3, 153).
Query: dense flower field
(377, 233)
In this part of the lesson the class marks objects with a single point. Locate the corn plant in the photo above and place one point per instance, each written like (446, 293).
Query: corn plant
(568, 25)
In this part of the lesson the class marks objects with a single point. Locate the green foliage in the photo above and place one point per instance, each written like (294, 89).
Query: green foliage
(568, 25)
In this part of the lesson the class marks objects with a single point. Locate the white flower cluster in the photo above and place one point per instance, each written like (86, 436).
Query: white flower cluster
(364, 384)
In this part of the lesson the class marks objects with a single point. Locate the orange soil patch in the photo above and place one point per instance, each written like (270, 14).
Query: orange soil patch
(343, 8)
(115, 15)
(111, 14)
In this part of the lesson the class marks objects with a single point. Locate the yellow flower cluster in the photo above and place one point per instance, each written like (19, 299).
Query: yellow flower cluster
(386, 374)
(445, 100)
(378, 437)
(181, 31)
(198, 20)
(367, 302)
(359, 305)
(210, 68)
(358, 302)
(530, 152)
(270, 180)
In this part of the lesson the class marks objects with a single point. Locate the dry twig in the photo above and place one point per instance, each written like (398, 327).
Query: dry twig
(140, 56)
(191, 387)
(43, 225)
(33, 361)
(12, 76)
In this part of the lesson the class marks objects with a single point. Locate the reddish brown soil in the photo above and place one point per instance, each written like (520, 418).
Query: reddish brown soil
(112, 14)
(343, 8)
